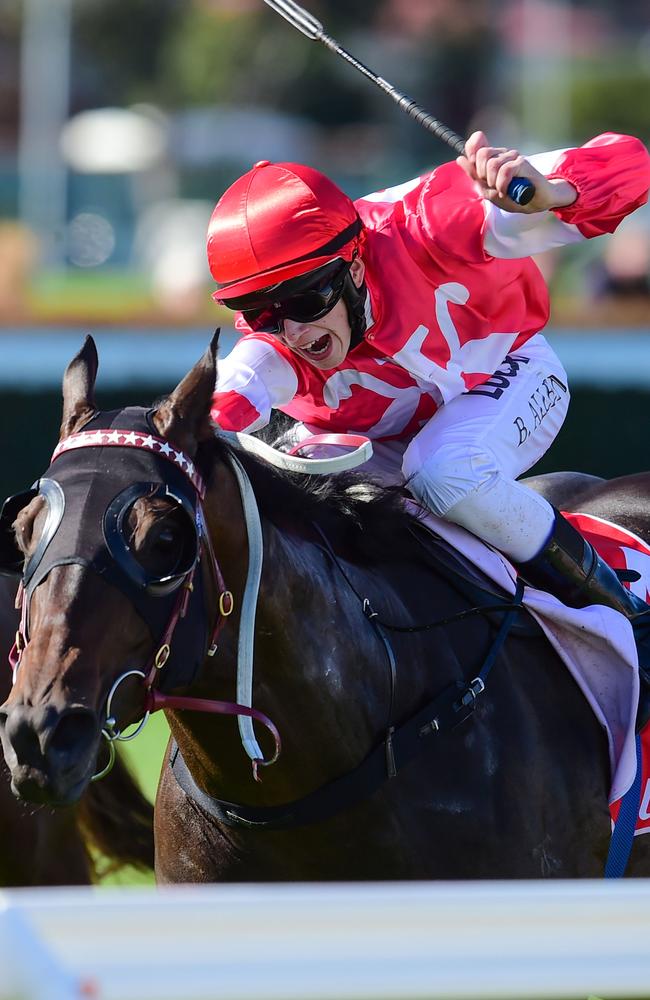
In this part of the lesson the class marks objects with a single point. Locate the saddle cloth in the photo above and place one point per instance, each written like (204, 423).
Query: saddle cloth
(596, 643)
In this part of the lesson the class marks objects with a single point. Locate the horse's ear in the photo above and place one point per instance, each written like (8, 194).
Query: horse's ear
(79, 389)
(184, 417)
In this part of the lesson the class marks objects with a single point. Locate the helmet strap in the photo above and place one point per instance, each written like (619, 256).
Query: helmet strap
(355, 301)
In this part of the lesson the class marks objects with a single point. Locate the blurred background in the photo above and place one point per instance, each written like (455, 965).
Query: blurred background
(122, 121)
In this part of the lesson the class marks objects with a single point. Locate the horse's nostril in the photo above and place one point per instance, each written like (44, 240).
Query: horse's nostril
(36, 735)
(74, 732)
(22, 736)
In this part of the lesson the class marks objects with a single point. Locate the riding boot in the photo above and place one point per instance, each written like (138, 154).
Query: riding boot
(569, 567)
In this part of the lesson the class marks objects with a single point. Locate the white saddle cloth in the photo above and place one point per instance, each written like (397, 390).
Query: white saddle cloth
(596, 644)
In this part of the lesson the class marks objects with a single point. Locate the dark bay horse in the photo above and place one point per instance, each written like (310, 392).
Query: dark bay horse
(133, 564)
(44, 846)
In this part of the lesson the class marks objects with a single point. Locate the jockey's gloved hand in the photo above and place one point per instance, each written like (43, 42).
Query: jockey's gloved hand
(493, 167)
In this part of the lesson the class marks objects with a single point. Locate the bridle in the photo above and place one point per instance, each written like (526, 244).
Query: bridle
(447, 710)
(183, 583)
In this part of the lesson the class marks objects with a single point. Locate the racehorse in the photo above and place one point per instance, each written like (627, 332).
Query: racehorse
(138, 550)
(44, 846)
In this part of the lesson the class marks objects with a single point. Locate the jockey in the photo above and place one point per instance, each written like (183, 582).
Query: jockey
(413, 316)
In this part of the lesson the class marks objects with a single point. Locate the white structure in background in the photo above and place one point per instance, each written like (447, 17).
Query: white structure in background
(239, 136)
(169, 245)
(114, 140)
(45, 96)
(390, 941)
(131, 141)
(170, 233)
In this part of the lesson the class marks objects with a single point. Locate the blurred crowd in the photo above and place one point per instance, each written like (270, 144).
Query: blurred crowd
(122, 121)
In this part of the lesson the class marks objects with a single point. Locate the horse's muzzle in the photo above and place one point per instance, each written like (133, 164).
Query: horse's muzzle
(50, 753)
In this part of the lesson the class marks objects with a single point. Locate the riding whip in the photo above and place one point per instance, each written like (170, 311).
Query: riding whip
(520, 189)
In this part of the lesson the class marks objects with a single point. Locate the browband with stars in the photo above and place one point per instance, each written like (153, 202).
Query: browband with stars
(133, 439)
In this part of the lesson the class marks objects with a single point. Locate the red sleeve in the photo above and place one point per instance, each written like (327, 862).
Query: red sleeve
(611, 174)
(231, 411)
(258, 375)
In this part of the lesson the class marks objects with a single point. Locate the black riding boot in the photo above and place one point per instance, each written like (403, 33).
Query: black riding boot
(570, 568)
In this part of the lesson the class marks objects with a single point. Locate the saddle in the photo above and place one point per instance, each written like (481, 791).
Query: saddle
(483, 593)
(470, 582)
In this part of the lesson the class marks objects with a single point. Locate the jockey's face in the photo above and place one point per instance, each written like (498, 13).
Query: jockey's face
(325, 342)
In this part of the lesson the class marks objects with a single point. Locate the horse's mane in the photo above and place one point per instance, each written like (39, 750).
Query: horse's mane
(363, 511)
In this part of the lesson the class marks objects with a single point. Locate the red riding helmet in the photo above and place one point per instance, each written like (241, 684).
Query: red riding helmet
(278, 221)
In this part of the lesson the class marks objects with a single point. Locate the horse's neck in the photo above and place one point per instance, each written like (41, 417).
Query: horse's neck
(310, 642)
(212, 745)
(321, 671)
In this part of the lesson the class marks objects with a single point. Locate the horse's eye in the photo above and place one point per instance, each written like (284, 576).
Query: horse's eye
(166, 539)
(165, 547)
(160, 539)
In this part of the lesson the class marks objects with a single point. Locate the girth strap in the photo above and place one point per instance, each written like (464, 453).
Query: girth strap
(445, 712)
(406, 742)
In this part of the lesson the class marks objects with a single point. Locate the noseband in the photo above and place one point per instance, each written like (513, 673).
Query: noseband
(162, 601)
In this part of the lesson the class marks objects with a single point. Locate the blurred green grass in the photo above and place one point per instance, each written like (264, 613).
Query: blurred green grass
(144, 753)
(111, 296)
(105, 295)
(144, 757)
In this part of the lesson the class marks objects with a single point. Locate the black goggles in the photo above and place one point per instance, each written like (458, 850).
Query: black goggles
(304, 299)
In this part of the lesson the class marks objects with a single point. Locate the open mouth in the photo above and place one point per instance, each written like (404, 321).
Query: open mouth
(318, 348)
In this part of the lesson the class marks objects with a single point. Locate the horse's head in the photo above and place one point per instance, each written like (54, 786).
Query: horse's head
(107, 543)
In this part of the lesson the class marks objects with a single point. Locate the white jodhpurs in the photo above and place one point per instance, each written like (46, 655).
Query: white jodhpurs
(464, 462)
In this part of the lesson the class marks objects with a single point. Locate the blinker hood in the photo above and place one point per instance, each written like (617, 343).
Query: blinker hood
(88, 495)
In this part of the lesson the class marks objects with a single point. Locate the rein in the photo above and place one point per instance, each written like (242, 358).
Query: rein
(373, 615)
(400, 745)
(154, 699)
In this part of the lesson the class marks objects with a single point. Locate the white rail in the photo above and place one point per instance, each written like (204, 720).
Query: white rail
(524, 940)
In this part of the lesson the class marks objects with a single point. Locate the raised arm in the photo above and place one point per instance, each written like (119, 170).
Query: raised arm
(581, 192)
